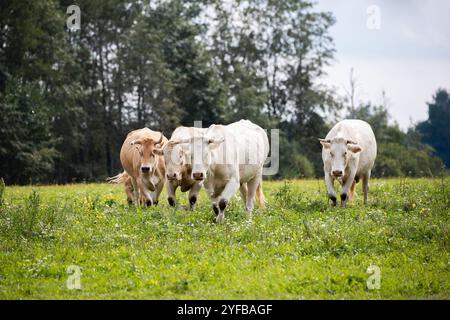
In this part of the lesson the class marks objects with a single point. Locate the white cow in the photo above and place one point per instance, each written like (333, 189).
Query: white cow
(229, 158)
(178, 166)
(349, 151)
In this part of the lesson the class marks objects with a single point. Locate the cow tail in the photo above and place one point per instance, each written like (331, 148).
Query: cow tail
(120, 178)
(260, 196)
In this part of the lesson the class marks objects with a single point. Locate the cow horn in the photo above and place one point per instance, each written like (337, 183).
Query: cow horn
(160, 139)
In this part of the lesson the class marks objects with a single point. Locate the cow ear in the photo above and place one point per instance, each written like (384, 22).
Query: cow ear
(355, 148)
(215, 142)
(325, 143)
(135, 142)
(178, 141)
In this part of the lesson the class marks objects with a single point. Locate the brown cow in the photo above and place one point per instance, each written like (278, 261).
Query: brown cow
(142, 160)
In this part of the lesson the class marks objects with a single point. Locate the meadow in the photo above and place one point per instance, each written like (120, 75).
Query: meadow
(298, 247)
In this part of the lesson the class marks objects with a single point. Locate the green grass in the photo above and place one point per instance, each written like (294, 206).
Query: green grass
(297, 248)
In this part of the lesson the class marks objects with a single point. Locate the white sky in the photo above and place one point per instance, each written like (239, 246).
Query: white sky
(408, 57)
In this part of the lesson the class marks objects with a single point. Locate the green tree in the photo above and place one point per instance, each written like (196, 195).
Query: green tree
(33, 88)
(436, 129)
(27, 150)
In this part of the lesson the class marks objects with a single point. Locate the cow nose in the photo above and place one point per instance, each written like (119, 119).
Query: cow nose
(198, 175)
(171, 176)
(337, 173)
(145, 169)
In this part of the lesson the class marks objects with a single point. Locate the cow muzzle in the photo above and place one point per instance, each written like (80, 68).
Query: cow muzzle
(198, 176)
(337, 173)
(173, 176)
(146, 169)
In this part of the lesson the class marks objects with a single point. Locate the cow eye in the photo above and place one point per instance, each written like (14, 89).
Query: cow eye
(345, 153)
(332, 154)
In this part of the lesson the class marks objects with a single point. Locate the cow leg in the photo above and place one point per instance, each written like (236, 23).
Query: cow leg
(129, 191)
(346, 188)
(143, 201)
(155, 194)
(365, 184)
(144, 192)
(243, 189)
(193, 194)
(171, 188)
(136, 199)
(351, 194)
(215, 206)
(252, 185)
(230, 189)
(330, 187)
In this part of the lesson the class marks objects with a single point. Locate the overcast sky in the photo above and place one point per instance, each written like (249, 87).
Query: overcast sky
(408, 56)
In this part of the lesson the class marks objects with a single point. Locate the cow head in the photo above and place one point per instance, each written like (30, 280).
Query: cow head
(148, 152)
(200, 154)
(338, 152)
(176, 159)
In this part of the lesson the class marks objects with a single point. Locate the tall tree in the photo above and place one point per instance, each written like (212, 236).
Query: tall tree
(33, 87)
(436, 129)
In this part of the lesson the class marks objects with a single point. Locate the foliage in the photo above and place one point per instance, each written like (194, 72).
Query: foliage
(2, 191)
(436, 130)
(299, 247)
(27, 149)
(293, 164)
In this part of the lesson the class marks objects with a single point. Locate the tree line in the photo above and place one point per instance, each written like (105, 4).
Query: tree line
(69, 98)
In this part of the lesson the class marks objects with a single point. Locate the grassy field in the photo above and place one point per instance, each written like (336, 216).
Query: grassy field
(297, 248)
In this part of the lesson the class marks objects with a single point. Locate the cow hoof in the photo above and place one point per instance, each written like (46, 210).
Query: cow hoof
(344, 199)
(220, 218)
(216, 209)
(171, 202)
(130, 202)
(155, 203)
(192, 201)
(333, 201)
(223, 204)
